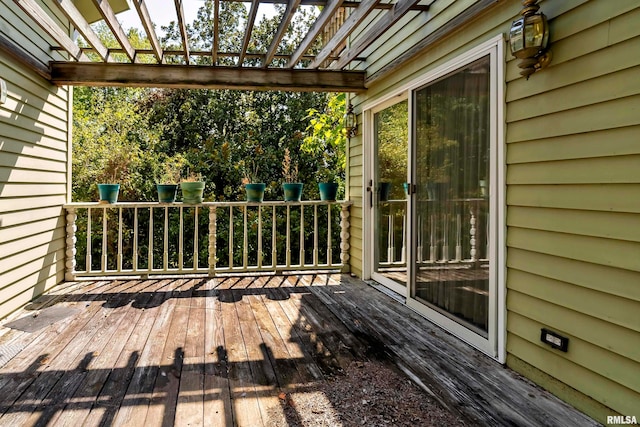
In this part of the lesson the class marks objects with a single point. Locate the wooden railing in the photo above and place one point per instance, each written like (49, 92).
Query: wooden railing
(451, 231)
(132, 238)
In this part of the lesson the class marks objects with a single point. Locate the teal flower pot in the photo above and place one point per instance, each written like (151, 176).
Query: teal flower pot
(328, 191)
(385, 189)
(255, 192)
(167, 192)
(292, 191)
(192, 192)
(108, 192)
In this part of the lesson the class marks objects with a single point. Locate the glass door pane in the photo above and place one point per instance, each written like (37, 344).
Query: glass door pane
(452, 119)
(388, 194)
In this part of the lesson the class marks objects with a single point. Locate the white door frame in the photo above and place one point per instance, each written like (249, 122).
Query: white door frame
(495, 344)
(369, 177)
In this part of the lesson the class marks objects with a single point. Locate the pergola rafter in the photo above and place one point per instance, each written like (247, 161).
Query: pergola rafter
(183, 30)
(145, 18)
(109, 16)
(83, 27)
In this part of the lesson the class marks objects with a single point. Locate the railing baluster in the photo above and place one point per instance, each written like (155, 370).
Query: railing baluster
(245, 250)
(329, 255)
(260, 237)
(196, 244)
(420, 238)
(445, 239)
(181, 239)
(288, 248)
(230, 237)
(165, 246)
(135, 239)
(150, 267)
(70, 265)
(432, 239)
(344, 238)
(315, 235)
(212, 240)
(301, 235)
(274, 249)
(119, 261)
(104, 240)
(404, 237)
(88, 257)
(458, 237)
(390, 239)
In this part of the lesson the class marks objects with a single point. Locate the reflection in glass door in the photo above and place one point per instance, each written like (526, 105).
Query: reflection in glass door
(451, 214)
(388, 195)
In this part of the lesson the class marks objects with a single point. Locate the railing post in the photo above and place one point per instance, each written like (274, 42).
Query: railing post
(212, 240)
(70, 273)
(344, 237)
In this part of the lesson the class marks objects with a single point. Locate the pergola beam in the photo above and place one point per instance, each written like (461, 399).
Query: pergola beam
(197, 77)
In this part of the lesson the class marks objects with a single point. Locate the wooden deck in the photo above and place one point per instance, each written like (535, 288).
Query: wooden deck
(220, 351)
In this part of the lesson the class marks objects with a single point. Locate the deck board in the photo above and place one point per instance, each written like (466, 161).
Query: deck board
(221, 351)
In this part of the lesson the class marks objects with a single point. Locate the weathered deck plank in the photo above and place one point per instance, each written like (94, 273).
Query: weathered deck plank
(190, 404)
(218, 352)
(244, 398)
(217, 401)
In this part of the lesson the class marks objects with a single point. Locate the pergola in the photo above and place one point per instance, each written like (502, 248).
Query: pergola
(336, 66)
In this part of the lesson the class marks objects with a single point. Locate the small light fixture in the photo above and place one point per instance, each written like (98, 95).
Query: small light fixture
(529, 39)
(350, 122)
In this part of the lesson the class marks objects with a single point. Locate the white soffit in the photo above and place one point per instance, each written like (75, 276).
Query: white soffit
(88, 9)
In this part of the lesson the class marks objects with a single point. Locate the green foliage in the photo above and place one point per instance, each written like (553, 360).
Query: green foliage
(109, 137)
(326, 138)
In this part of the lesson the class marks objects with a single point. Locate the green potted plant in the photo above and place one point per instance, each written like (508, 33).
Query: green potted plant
(114, 171)
(168, 179)
(254, 189)
(291, 187)
(192, 188)
(327, 184)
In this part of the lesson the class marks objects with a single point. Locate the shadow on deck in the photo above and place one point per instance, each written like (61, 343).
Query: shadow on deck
(227, 351)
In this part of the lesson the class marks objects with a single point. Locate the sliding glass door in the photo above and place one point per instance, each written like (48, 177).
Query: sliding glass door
(435, 196)
(451, 212)
(388, 195)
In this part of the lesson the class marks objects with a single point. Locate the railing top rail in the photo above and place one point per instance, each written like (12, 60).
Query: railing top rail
(81, 205)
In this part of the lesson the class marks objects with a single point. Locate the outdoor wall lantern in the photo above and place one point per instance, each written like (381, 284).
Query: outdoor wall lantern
(350, 122)
(529, 39)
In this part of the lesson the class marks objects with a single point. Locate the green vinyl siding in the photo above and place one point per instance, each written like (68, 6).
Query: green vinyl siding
(573, 176)
(34, 134)
(572, 135)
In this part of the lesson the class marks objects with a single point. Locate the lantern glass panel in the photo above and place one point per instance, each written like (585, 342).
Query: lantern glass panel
(516, 39)
(534, 31)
